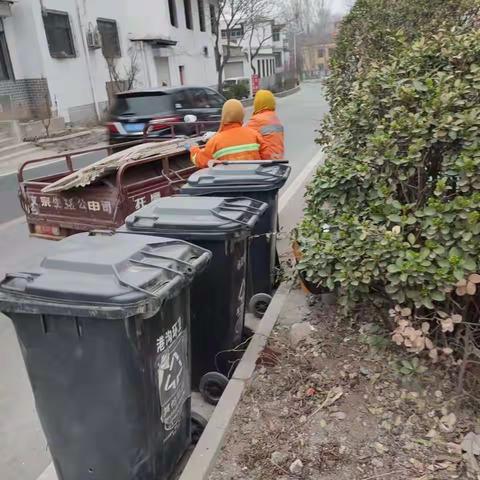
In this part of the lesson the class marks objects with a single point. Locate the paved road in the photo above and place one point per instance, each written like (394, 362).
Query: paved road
(23, 450)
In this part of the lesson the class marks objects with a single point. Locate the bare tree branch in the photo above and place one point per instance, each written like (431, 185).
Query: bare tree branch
(233, 14)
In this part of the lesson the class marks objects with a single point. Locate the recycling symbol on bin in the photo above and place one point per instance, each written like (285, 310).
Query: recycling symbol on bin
(170, 372)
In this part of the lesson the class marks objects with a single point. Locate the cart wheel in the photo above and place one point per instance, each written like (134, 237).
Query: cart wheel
(259, 303)
(198, 424)
(212, 385)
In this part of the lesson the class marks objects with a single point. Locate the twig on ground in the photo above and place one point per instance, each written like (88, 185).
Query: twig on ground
(382, 475)
(279, 467)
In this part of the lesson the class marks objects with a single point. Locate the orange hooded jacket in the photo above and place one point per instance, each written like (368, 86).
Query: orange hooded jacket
(233, 141)
(266, 122)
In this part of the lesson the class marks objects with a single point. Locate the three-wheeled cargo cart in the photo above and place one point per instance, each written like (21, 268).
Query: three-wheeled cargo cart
(104, 199)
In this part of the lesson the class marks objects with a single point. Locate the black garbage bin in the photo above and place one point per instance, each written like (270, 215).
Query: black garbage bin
(103, 328)
(260, 181)
(222, 226)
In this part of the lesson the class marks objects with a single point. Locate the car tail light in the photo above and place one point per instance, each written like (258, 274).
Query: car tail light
(47, 230)
(161, 123)
(112, 127)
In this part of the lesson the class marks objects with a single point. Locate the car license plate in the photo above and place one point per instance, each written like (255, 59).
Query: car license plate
(134, 127)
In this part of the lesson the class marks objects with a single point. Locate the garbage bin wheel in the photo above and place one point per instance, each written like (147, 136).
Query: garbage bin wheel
(259, 303)
(198, 424)
(212, 385)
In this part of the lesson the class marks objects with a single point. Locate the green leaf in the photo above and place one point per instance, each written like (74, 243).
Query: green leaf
(470, 264)
(459, 274)
(395, 218)
(411, 239)
(438, 296)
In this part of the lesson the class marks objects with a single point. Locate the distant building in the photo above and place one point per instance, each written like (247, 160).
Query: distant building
(272, 58)
(316, 58)
(57, 50)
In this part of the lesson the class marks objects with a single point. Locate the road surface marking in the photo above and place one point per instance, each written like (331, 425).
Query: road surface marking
(292, 189)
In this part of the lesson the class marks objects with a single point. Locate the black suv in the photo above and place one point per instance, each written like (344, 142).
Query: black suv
(133, 110)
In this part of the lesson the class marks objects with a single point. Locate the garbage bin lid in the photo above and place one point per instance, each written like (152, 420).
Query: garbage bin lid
(104, 275)
(197, 217)
(261, 176)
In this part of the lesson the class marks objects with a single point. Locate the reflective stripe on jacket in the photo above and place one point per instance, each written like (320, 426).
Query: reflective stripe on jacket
(232, 142)
(268, 125)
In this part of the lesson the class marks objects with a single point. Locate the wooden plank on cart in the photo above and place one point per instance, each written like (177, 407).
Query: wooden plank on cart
(87, 175)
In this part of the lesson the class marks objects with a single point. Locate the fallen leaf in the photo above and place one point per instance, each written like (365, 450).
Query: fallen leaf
(457, 318)
(447, 325)
(380, 448)
(396, 229)
(471, 443)
(429, 344)
(310, 392)
(339, 415)
(461, 291)
(462, 283)
(474, 278)
(425, 327)
(405, 312)
(447, 422)
(471, 288)
(397, 338)
(332, 396)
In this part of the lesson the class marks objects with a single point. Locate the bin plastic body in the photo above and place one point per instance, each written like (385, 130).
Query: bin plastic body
(103, 328)
(222, 226)
(259, 181)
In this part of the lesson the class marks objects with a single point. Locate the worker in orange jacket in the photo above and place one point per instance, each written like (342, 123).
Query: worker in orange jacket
(266, 122)
(233, 141)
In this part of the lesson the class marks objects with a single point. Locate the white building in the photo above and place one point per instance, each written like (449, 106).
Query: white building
(266, 44)
(56, 49)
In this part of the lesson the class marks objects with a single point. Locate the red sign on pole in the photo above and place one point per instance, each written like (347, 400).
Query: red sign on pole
(255, 83)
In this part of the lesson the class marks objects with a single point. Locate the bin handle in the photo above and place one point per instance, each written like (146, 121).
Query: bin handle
(211, 163)
(242, 208)
(215, 213)
(236, 208)
(93, 233)
(136, 287)
(23, 275)
(260, 163)
(152, 265)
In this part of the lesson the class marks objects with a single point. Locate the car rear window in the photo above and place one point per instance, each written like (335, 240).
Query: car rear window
(142, 104)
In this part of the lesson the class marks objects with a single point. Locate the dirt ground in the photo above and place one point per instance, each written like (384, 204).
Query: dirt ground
(337, 407)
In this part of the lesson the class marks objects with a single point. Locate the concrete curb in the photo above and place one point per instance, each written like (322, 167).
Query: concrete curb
(287, 93)
(249, 101)
(206, 452)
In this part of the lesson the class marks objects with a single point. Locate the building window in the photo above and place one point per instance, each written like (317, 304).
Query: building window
(201, 15)
(278, 59)
(6, 70)
(321, 52)
(188, 14)
(213, 19)
(59, 34)
(276, 35)
(172, 9)
(110, 40)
